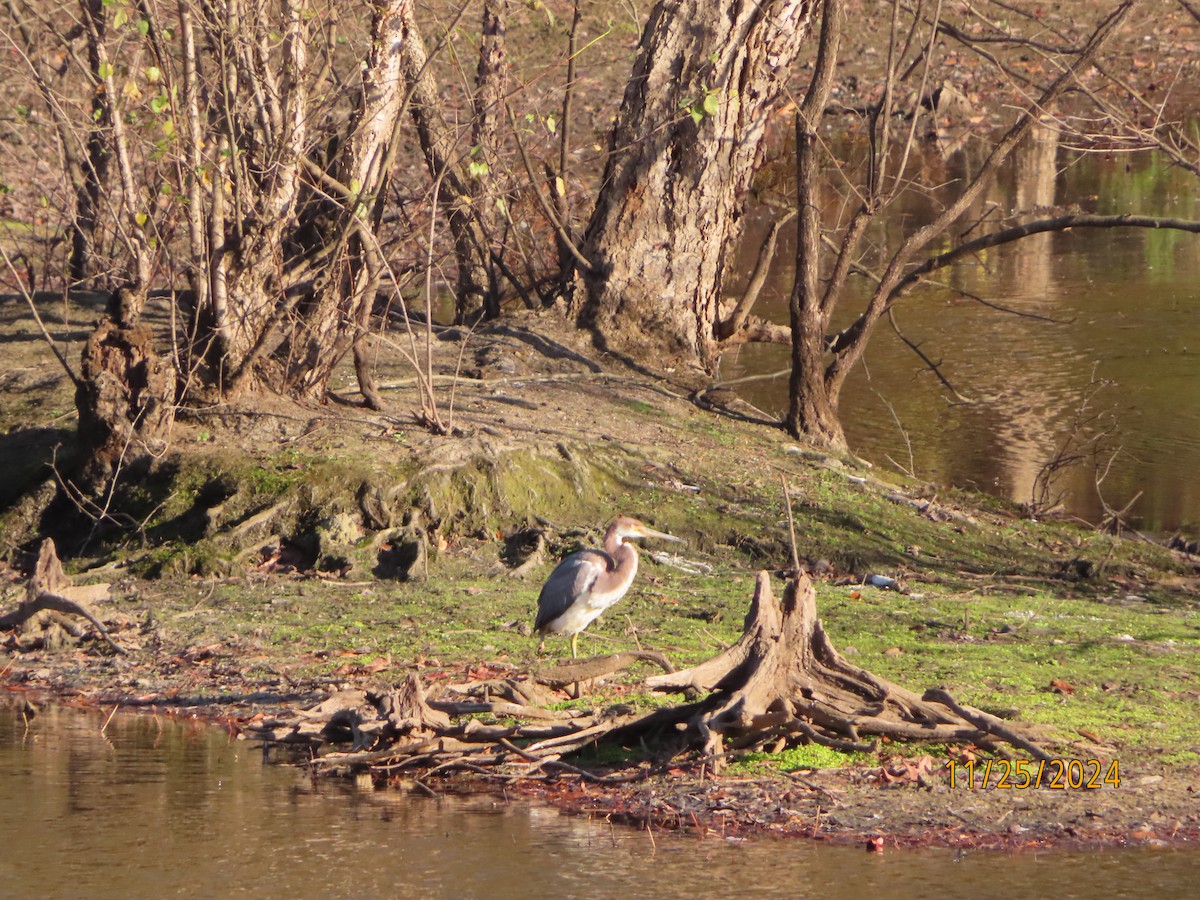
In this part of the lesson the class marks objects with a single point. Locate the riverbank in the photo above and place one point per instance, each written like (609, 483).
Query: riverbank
(282, 553)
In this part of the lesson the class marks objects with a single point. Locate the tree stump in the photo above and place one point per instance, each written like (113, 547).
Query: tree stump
(784, 679)
(124, 396)
(50, 598)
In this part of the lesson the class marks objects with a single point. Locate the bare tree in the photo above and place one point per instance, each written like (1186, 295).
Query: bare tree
(254, 150)
(821, 361)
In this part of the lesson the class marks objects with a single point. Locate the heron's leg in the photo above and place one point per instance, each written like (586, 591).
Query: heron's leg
(575, 645)
(541, 646)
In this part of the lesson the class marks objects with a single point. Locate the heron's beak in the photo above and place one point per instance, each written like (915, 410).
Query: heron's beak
(661, 535)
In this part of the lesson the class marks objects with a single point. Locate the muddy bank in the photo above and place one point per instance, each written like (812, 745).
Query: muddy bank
(279, 553)
(265, 573)
(256, 584)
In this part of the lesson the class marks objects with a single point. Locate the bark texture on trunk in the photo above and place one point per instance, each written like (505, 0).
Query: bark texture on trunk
(812, 404)
(338, 315)
(685, 145)
(125, 395)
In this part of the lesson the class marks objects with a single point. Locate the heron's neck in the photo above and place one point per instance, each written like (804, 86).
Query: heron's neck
(614, 540)
(626, 556)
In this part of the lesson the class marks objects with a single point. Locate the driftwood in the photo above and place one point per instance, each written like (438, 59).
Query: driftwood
(405, 728)
(782, 680)
(565, 674)
(50, 598)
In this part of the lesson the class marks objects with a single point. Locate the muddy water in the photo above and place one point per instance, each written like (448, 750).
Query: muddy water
(149, 808)
(1120, 307)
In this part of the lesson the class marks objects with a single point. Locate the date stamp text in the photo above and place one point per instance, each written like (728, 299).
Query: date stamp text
(1023, 774)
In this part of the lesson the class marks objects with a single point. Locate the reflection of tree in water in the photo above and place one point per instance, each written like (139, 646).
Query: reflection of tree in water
(1041, 370)
(1013, 365)
(1028, 375)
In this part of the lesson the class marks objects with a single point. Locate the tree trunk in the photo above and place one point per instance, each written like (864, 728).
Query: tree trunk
(125, 395)
(491, 85)
(94, 171)
(685, 145)
(444, 153)
(338, 315)
(812, 405)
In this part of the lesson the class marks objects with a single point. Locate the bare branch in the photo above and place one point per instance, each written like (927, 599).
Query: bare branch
(1042, 226)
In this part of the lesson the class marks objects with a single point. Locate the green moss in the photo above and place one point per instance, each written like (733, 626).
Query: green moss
(804, 756)
(644, 408)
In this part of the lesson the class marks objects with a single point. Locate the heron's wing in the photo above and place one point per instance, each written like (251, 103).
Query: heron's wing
(571, 581)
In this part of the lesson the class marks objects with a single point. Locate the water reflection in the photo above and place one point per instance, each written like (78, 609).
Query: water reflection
(151, 808)
(1114, 305)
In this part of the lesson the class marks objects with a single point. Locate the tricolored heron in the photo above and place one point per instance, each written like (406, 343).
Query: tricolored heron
(587, 583)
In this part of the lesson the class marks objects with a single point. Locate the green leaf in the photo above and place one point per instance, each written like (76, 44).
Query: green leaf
(697, 115)
(120, 18)
(153, 74)
(355, 186)
(143, 27)
(160, 103)
(712, 104)
(551, 124)
(477, 169)
(141, 219)
(105, 70)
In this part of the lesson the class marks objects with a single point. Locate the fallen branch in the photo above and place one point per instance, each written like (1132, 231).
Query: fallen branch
(566, 674)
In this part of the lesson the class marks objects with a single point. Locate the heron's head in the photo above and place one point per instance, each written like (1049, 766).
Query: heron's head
(629, 529)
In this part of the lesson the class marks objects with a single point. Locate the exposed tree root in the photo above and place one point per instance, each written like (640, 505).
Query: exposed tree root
(782, 680)
(575, 671)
